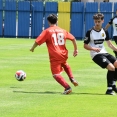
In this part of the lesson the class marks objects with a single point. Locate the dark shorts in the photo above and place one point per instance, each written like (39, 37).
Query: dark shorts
(104, 59)
(115, 39)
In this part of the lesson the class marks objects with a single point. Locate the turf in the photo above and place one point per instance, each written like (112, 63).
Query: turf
(40, 95)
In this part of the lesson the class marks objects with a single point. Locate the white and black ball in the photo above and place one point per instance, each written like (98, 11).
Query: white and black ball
(20, 75)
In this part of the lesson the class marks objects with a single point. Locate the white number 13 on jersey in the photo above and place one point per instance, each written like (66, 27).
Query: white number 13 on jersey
(58, 39)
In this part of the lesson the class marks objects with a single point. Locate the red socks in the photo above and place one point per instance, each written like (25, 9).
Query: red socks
(67, 70)
(61, 81)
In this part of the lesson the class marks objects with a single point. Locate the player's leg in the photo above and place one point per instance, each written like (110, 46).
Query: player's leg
(115, 78)
(68, 71)
(110, 78)
(103, 62)
(113, 60)
(62, 82)
(115, 39)
(56, 71)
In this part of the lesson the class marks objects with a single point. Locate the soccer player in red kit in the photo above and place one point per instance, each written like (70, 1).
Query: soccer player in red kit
(55, 39)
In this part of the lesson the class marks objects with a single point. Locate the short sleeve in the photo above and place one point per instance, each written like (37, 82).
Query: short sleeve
(69, 36)
(87, 37)
(41, 38)
(111, 21)
(107, 36)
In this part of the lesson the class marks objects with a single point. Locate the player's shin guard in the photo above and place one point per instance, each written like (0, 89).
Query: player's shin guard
(68, 70)
(110, 78)
(61, 81)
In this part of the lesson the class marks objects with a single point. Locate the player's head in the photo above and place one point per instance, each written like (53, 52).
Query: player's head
(98, 19)
(98, 16)
(52, 19)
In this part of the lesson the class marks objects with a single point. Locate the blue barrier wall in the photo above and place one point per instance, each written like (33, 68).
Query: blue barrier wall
(23, 18)
(37, 15)
(90, 10)
(77, 19)
(1, 18)
(114, 14)
(50, 7)
(115, 8)
(26, 18)
(106, 9)
(10, 19)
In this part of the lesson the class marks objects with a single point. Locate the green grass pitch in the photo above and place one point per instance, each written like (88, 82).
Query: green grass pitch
(40, 95)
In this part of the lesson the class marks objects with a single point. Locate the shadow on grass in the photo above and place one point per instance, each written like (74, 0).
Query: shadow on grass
(87, 93)
(46, 92)
(14, 87)
(50, 92)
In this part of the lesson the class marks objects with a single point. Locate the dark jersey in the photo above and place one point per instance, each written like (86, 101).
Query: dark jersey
(96, 39)
(113, 22)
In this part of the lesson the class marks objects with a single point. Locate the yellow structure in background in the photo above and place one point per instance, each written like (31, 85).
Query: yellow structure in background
(64, 15)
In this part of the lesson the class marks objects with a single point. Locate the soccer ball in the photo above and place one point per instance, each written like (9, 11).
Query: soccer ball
(20, 75)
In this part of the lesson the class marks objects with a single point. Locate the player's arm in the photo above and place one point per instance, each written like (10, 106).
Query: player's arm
(87, 47)
(34, 46)
(109, 24)
(69, 36)
(75, 53)
(109, 43)
(86, 43)
(40, 40)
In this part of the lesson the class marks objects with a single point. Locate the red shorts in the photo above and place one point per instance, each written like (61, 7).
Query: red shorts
(56, 67)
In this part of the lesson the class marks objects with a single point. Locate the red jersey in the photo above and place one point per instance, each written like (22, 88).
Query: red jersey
(55, 39)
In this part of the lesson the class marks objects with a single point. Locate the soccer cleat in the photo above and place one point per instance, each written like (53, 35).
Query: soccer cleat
(110, 92)
(67, 91)
(74, 82)
(114, 88)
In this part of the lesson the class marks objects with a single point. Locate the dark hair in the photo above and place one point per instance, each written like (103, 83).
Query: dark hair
(98, 16)
(52, 18)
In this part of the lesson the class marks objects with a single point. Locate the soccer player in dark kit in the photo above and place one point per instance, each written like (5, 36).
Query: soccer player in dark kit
(113, 22)
(93, 42)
